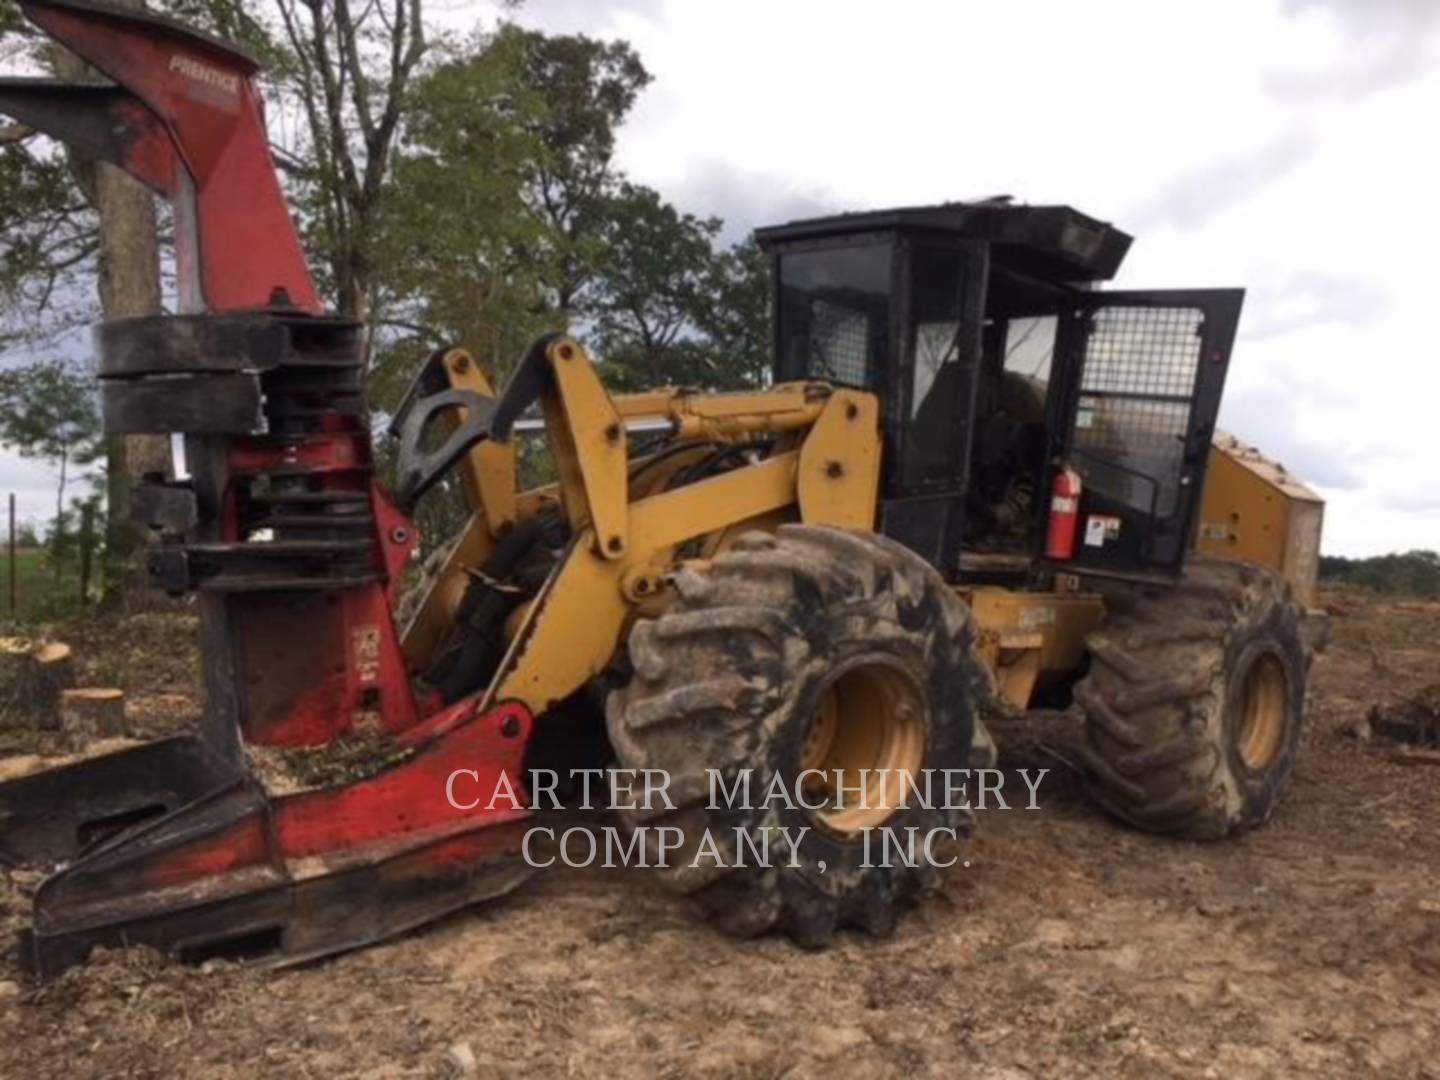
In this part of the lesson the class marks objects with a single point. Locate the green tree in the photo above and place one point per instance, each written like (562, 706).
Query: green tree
(450, 191)
(651, 284)
(735, 317)
(576, 92)
(503, 191)
(50, 238)
(668, 308)
(350, 71)
(1413, 573)
(459, 237)
(48, 411)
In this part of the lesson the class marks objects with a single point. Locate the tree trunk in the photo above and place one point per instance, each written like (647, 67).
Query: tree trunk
(32, 678)
(60, 489)
(92, 712)
(129, 285)
(57, 541)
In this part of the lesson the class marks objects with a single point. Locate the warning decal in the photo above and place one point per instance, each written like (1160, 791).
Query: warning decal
(1101, 530)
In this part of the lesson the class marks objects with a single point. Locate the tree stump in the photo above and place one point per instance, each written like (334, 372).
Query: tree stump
(32, 677)
(92, 712)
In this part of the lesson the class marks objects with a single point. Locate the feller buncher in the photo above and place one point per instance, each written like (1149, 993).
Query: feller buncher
(976, 478)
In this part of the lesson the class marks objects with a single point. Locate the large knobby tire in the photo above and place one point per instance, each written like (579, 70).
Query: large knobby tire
(789, 648)
(1194, 701)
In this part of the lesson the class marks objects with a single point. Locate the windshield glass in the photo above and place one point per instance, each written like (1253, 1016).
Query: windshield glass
(834, 313)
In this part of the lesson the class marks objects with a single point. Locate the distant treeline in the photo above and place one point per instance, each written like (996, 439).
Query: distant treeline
(1415, 573)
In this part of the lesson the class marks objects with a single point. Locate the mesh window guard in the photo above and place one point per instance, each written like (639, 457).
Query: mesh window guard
(1136, 390)
(839, 343)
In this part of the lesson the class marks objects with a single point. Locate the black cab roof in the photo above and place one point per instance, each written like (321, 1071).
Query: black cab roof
(1051, 242)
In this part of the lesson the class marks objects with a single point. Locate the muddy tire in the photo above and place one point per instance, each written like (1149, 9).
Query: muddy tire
(1194, 701)
(788, 641)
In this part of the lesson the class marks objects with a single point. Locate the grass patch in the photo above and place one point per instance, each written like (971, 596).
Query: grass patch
(41, 593)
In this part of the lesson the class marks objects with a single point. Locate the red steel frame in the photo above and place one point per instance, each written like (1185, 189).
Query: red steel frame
(189, 124)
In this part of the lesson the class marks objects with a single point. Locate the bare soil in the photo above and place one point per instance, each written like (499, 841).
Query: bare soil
(1069, 946)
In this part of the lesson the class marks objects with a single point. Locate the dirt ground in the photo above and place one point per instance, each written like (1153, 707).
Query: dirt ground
(1070, 946)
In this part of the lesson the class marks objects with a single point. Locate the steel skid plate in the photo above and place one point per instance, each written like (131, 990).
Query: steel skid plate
(52, 816)
(236, 873)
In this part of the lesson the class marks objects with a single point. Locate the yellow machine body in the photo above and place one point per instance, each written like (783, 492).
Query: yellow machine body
(826, 470)
(1256, 511)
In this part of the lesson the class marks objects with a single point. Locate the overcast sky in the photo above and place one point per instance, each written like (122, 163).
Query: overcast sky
(1284, 145)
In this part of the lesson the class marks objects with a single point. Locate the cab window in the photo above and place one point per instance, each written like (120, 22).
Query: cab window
(834, 314)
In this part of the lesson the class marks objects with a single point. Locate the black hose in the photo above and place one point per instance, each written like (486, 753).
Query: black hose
(476, 643)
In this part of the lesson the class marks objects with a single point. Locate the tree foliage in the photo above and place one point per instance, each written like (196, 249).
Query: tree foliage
(651, 290)
(736, 317)
(1414, 573)
(49, 229)
(459, 241)
(579, 92)
(350, 71)
(501, 193)
(509, 217)
(48, 411)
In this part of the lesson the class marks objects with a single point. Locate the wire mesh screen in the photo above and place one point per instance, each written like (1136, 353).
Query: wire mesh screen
(839, 344)
(1136, 389)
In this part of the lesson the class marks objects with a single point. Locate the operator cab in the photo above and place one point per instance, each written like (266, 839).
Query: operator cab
(998, 362)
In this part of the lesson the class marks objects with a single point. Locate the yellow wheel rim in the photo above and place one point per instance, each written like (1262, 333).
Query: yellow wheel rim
(1264, 709)
(865, 746)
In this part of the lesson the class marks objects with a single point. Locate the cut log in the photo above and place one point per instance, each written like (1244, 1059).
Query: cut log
(56, 665)
(93, 712)
(32, 677)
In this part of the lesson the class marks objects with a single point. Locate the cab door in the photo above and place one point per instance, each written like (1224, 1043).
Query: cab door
(930, 403)
(1143, 376)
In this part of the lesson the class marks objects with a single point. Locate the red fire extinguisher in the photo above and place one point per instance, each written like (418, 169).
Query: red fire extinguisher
(1064, 515)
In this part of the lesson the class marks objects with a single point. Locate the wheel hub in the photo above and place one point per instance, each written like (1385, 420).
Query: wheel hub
(868, 734)
(1264, 707)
